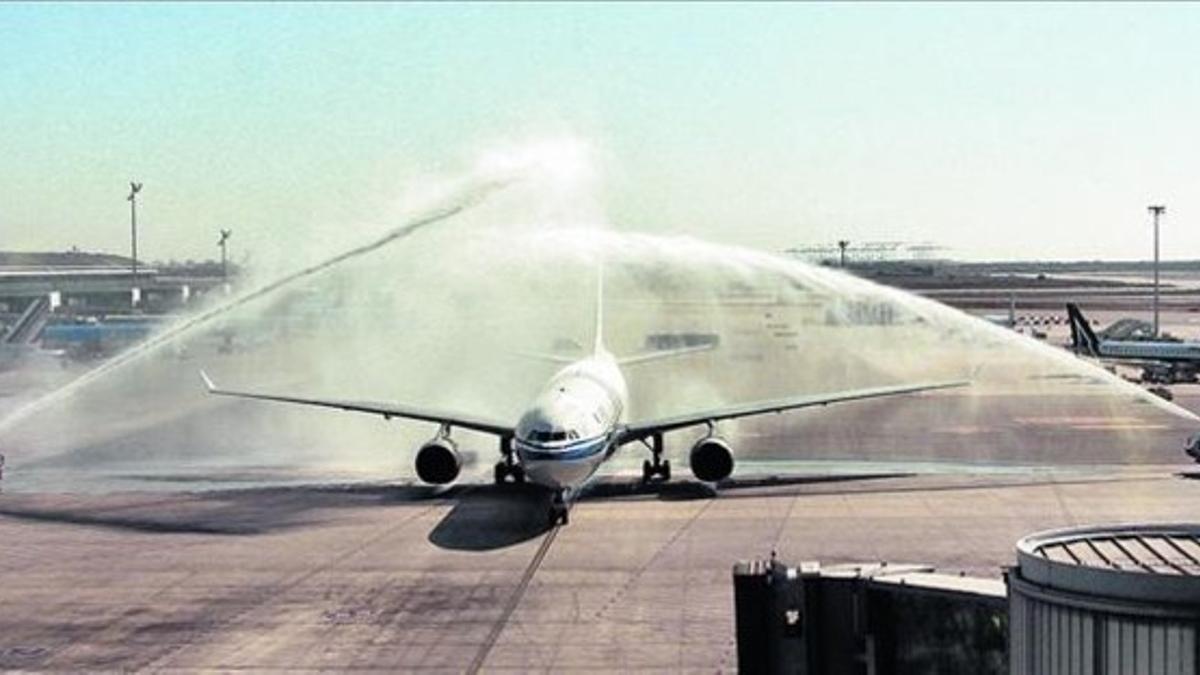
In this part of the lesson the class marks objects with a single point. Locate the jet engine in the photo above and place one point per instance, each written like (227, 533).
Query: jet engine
(711, 459)
(438, 461)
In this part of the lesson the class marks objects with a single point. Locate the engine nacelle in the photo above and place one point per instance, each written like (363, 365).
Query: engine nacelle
(438, 461)
(711, 459)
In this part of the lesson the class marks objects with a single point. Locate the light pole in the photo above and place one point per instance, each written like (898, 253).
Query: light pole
(134, 189)
(223, 243)
(842, 244)
(1156, 211)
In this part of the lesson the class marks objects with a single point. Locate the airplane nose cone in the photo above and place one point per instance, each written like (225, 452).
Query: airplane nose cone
(557, 474)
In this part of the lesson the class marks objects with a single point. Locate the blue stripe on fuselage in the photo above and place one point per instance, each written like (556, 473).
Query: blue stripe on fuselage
(580, 450)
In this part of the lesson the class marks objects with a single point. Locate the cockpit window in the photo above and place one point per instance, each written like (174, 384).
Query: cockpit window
(543, 436)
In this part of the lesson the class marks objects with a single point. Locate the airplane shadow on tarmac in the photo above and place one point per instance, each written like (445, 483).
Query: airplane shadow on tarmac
(493, 516)
(488, 517)
(687, 490)
(247, 511)
(482, 517)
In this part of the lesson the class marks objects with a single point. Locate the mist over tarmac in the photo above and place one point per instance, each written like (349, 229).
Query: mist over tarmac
(448, 315)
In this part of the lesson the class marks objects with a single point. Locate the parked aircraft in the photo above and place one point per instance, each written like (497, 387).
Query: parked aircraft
(1165, 361)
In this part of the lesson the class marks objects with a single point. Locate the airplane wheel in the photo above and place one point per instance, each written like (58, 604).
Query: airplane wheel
(498, 473)
(647, 471)
(559, 509)
(665, 471)
(566, 517)
(518, 474)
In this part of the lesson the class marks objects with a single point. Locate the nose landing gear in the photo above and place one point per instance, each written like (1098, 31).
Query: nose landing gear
(657, 467)
(508, 467)
(559, 509)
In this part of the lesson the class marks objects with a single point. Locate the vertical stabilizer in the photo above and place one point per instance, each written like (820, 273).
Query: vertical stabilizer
(598, 344)
(1083, 338)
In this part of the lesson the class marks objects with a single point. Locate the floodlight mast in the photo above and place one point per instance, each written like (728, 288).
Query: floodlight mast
(134, 189)
(1156, 211)
(223, 242)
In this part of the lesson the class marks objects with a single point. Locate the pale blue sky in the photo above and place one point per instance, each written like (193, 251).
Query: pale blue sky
(999, 130)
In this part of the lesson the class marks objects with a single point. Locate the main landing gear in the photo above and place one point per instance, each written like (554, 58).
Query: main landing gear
(560, 513)
(658, 468)
(507, 467)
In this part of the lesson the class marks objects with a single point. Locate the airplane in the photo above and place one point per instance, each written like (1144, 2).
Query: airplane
(1165, 361)
(578, 421)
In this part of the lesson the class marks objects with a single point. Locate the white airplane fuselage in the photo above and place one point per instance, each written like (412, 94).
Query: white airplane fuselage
(570, 429)
(1150, 350)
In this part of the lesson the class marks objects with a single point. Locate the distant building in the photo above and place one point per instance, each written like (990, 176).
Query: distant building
(79, 282)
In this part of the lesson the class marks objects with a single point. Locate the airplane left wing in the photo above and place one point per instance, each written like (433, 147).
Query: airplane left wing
(387, 410)
(639, 430)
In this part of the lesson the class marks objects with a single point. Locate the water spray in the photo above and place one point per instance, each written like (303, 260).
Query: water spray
(461, 298)
(690, 255)
(464, 199)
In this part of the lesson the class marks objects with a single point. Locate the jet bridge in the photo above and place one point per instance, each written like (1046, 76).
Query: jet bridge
(1109, 599)
(874, 618)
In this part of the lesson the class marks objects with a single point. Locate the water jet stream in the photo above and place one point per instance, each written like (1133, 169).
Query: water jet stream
(433, 320)
(465, 199)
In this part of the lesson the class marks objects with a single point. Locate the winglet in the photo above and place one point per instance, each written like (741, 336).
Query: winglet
(208, 383)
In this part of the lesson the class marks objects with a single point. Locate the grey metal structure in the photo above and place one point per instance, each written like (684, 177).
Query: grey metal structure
(29, 324)
(1095, 600)
(1111, 599)
(876, 618)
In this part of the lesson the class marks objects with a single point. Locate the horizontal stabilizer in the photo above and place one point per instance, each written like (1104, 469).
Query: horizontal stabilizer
(548, 358)
(660, 354)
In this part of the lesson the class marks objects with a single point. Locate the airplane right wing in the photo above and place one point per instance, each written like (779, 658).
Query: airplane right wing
(640, 430)
(387, 410)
